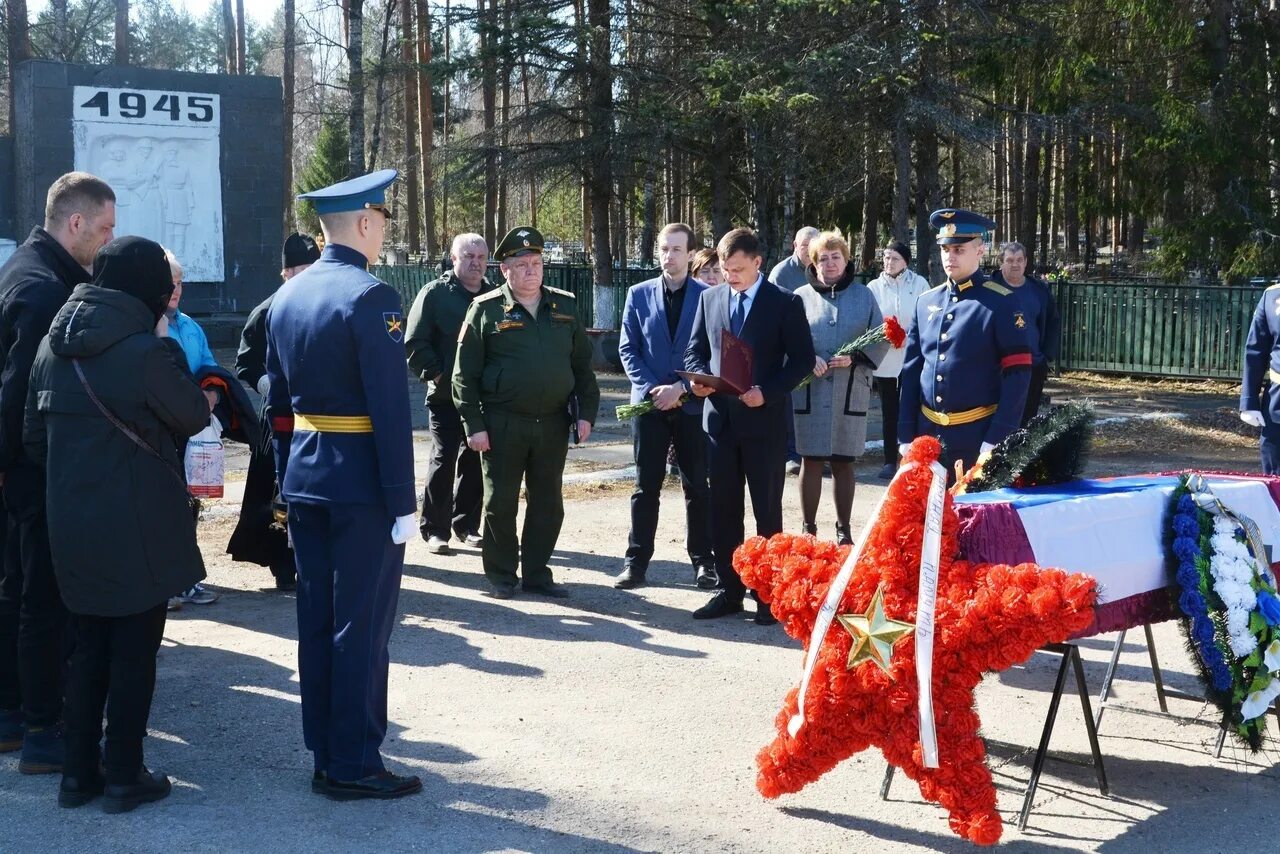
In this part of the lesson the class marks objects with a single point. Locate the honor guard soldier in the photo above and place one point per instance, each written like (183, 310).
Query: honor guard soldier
(968, 359)
(522, 381)
(339, 404)
(1260, 391)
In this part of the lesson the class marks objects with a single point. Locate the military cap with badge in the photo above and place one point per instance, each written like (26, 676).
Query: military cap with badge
(521, 240)
(364, 192)
(956, 225)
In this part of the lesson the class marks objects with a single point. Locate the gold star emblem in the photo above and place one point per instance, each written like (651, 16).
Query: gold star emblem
(1018, 320)
(394, 324)
(874, 633)
(948, 230)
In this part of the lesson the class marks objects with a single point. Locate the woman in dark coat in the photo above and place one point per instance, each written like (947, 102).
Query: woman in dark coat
(120, 526)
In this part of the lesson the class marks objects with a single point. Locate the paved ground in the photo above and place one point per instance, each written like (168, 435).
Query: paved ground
(614, 723)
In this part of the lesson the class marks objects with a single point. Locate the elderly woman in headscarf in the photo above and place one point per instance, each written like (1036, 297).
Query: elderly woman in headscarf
(831, 411)
(110, 400)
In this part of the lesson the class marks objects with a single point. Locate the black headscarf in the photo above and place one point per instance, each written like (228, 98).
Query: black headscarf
(299, 249)
(136, 266)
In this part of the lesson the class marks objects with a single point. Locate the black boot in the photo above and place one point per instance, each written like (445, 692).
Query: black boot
(75, 792)
(811, 529)
(842, 534)
(148, 787)
(631, 577)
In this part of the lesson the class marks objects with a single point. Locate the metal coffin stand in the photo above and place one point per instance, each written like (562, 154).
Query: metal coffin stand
(1070, 661)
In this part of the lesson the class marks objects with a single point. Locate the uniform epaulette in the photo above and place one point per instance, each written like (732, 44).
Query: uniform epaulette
(493, 294)
(1000, 289)
(561, 293)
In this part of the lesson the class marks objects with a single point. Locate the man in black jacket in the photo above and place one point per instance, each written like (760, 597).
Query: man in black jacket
(431, 341)
(79, 220)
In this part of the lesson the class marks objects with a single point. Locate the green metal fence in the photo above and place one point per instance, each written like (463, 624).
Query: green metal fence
(1163, 329)
(578, 280)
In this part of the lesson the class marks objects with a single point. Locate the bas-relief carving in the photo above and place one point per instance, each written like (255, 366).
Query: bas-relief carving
(168, 188)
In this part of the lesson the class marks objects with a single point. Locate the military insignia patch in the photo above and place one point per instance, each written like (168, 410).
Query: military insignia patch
(1018, 320)
(510, 324)
(933, 309)
(395, 325)
(948, 230)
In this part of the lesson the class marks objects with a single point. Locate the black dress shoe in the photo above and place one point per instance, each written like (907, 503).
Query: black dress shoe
(74, 792)
(721, 605)
(811, 530)
(551, 590)
(501, 591)
(764, 614)
(146, 788)
(630, 578)
(706, 577)
(382, 786)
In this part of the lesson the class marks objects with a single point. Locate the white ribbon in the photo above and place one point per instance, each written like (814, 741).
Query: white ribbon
(926, 602)
(834, 594)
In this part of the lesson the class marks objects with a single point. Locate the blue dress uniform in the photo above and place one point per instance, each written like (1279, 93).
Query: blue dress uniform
(1260, 391)
(339, 404)
(968, 359)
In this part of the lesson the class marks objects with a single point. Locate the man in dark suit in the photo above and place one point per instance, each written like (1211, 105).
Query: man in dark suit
(747, 432)
(656, 323)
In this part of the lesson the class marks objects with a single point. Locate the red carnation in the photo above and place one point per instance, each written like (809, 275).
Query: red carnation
(894, 332)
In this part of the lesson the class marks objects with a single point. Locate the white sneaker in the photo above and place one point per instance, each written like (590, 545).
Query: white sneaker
(438, 545)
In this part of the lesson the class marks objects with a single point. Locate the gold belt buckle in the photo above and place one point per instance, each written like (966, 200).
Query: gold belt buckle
(943, 418)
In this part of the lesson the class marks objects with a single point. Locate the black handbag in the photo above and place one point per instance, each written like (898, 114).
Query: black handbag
(192, 502)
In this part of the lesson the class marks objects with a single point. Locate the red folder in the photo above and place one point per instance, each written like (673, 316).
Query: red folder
(736, 367)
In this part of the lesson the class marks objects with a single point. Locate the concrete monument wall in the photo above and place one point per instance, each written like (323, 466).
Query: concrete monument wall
(194, 159)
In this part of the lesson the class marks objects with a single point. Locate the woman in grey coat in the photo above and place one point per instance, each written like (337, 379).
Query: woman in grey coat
(831, 410)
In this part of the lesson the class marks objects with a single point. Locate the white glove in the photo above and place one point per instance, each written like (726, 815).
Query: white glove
(402, 530)
(264, 385)
(1252, 417)
(903, 448)
(986, 448)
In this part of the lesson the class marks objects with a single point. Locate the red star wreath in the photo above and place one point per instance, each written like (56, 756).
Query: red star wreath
(987, 618)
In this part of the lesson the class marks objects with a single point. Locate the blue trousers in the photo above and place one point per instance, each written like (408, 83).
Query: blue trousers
(348, 586)
(1271, 450)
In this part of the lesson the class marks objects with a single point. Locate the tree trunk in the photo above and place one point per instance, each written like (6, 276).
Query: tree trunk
(533, 178)
(902, 179)
(408, 57)
(1030, 186)
(870, 206)
(1071, 193)
(228, 38)
(18, 39)
(788, 199)
(929, 198)
(290, 47)
(380, 88)
(1046, 167)
(584, 85)
(122, 31)
(649, 213)
(355, 82)
(241, 45)
(1272, 31)
(600, 122)
(444, 127)
(426, 122)
(488, 85)
(504, 151)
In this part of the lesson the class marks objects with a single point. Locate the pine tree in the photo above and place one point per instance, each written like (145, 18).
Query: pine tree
(328, 165)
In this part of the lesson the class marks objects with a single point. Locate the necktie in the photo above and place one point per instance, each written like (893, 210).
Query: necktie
(739, 314)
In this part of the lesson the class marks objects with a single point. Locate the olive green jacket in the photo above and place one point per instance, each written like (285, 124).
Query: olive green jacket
(512, 362)
(431, 332)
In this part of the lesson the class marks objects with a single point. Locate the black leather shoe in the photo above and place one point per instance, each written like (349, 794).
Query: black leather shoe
(551, 590)
(706, 577)
(76, 793)
(764, 614)
(147, 788)
(842, 535)
(630, 578)
(319, 782)
(501, 591)
(382, 786)
(811, 530)
(721, 605)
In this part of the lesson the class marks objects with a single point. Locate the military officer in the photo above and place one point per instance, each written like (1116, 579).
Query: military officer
(522, 355)
(968, 355)
(1260, 391)
(339, 404)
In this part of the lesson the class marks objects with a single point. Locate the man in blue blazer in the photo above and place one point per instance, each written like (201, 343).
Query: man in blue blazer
(747, 432)
(656, 323)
